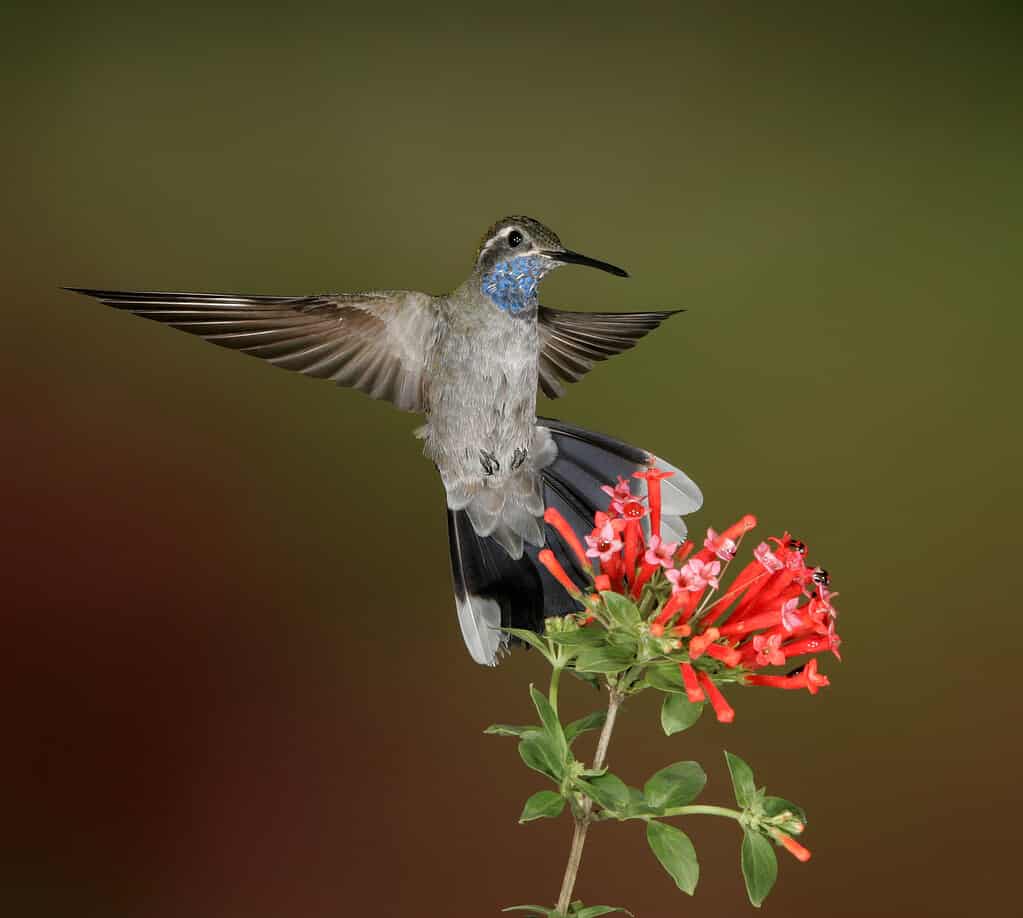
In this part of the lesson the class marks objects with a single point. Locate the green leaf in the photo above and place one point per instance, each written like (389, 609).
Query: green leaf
(603, 659)
(539, 752)
(638, 805)
(594, 911)
(550, 723)
(535, 909)
(742, 780)
(775, 806)
(512, 730)
(621, 610)
(531, 638)
(675, 785)
(678, 713)
(592, 721)
(544, 804)
(586, 636)
(676, 853)
(609, 791)
(591, 679)
(666, 679)
(759, 866)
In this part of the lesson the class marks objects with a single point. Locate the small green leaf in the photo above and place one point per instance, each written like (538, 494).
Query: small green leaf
(666, 679)
(550, 723)
(595, 911)
(544, 804)
(592, 721)
(603, 660)
(531, 638)
(535, 909)
(742, 780)
(676, 853)
(775, 806)
(512, 729)
(584, 636)
(539, 753)
(621, 610)
(759, 866)
(609, 791)
(678, 713)
(675, 785)
(638, 805)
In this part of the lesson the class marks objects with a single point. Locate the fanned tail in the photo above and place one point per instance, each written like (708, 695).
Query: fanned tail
(495, 591)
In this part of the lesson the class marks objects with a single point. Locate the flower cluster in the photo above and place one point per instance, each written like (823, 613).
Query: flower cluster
(776, 609)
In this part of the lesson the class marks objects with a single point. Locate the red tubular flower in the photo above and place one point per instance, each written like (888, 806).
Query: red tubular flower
(683, 551)
(699, 644)
(693, 691)
(724, 654)
(547, 559)
(732, 534)
(807, 678)
(722, 709)
(792, 846)
(602, 582)
(553, 518)
(653, 477)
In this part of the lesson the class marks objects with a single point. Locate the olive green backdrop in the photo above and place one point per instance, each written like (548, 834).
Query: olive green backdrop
(232, 682)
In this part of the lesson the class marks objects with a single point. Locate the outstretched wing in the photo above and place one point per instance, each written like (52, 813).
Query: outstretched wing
(375, 342)
(572, 342)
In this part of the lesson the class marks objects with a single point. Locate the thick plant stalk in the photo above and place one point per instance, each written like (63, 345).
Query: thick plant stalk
(582, 819)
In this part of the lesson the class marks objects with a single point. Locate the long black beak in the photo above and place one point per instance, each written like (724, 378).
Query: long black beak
(574, 258)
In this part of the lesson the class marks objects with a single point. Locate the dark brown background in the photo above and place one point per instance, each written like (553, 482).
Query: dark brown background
(232, 683)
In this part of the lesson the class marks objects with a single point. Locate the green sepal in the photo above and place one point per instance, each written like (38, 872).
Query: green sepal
(592, 721)
(512, 729)
(676, 853)
(742, 780)
(609, 791)
(759, 866)
(675, 785)
(543, 804)
(604, 659)
(678, 713)
(621, 610)
(539, 752)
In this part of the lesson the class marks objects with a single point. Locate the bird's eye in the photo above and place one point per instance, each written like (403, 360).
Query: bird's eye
(514, 238)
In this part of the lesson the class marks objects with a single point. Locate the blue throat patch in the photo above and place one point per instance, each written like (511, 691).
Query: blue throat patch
(511, 285)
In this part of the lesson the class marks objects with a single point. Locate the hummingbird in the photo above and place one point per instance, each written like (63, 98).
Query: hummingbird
(472, 363)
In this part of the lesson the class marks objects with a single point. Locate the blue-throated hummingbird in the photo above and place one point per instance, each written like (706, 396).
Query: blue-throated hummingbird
(471, 362)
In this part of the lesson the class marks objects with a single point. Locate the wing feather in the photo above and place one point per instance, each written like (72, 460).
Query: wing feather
(572, 342)
(376, 342)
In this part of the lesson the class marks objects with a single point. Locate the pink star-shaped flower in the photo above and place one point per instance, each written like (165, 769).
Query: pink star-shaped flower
(659, 552)
(722, 546)
(603, 543)
(768, 648)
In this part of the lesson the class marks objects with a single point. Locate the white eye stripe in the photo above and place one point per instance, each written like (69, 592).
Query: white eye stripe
(503, 235)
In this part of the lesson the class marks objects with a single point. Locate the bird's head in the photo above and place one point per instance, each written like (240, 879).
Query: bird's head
(515, 253)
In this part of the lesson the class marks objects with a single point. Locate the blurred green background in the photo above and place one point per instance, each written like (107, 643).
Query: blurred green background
(233, 683)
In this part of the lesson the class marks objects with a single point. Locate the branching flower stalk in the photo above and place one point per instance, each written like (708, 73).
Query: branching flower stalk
(654, 615)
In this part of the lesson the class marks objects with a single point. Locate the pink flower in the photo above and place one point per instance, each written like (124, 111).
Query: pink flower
(659, 552)
(722, 546)
(700, 574)
(768, 648)
(791, 618)
(618, 494)
(767, 557)
(603, 543)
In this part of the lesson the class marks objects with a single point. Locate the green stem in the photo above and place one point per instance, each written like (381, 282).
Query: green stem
(698, 810)
(552, 695)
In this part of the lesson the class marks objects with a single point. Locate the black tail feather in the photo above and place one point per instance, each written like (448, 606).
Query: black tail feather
(491, 589)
